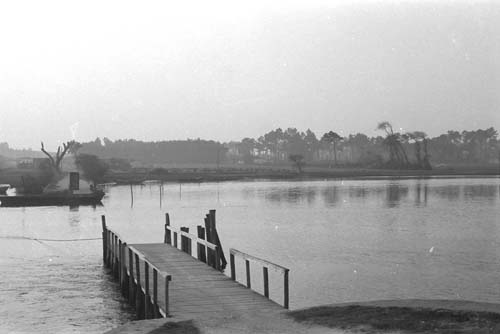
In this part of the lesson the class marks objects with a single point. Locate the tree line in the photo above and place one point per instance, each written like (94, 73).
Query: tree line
(389, 149)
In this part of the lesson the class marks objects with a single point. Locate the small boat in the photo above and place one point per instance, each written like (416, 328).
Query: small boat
(55, 198)
(3, 188)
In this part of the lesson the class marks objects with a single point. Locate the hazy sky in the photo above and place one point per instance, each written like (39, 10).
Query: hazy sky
(227, 70)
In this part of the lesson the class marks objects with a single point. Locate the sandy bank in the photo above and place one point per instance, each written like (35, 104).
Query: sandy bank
(412, 316)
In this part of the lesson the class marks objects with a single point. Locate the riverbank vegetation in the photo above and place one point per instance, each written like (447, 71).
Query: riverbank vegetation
(278, 153)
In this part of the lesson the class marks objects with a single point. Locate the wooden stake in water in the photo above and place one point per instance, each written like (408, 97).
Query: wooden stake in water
(131, 197)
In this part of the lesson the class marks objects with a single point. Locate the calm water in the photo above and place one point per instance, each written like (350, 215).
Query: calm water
(343, 241)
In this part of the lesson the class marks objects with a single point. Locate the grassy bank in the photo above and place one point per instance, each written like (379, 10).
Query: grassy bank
(284, 173)
(197, 174)
(424, 316)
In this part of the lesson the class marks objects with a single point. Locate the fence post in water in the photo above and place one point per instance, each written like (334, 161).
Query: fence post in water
(131, 283)
(266, 281)
(131, 196)
(233, 267)
(147, 299)
(104, 239)
(285, 288)
(247, 263)
(168, 233)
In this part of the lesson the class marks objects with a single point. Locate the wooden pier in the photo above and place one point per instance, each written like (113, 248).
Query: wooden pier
(161, 280)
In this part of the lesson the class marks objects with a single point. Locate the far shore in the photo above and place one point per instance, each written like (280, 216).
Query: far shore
(198, 175)
(211, 173)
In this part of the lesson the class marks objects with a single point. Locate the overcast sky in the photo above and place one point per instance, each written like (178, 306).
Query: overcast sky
(224, 70)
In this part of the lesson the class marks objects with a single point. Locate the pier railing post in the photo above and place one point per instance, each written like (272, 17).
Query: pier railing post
(120, 261)
(104, 239)
(131, 285)
(247, 263)
(147, 299)
(139, 300)
(175, 239)
(167, 306)
(285, 289)
(168, 233)
(233, 267)
(155, 293)
(124, 278)
(265, 273)
(202, 251)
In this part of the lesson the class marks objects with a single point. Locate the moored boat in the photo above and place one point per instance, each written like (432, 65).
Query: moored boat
(3, 188)
(55, 198)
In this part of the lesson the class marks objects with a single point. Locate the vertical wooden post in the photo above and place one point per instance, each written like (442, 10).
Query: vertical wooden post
(131, 290)
(166, 297)
(116, 264)
(131, 196)
(138, 299)
(147, 299)
(247, 263)
(120, 262)
(110, 249)
(175, 239)
(266, 281)
(124, 278)
(285, 289)
(110, 239)
(233, 267)
(217, 258)
(210, 252)
(202, 254)
(155, 293)
(168, 233)
(183, 239)
(104, 239)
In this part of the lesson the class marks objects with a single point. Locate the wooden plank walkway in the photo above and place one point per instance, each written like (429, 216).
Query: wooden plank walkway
(198, 290)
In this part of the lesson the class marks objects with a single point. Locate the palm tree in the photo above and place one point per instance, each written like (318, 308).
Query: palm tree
(332, 138)
(397, 154)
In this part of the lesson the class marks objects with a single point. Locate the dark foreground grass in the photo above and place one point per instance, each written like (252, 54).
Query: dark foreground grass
(373, 319)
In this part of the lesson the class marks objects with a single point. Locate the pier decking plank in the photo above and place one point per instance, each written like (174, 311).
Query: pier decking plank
(199, 291)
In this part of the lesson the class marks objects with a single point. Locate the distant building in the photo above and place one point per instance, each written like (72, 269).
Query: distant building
(32, 163)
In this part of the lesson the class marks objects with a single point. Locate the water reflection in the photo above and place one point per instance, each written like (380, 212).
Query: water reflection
(421, 193)
(394, 194)
(331, 196)
(449, 192)
(288, 195)
(480, 192)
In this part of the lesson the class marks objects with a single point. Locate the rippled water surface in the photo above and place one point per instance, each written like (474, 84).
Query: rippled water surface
(343, 241)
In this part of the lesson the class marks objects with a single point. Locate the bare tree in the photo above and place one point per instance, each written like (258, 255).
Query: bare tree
(55, 162)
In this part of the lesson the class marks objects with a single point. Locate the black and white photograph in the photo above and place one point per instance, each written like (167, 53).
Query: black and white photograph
(240, 167)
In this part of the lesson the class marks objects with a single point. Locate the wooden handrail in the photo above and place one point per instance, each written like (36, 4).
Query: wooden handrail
(265, 264)
(257, 259)
(130, 279)
(143, 258)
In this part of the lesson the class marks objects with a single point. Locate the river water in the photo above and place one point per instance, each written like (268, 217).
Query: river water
(343, 240)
